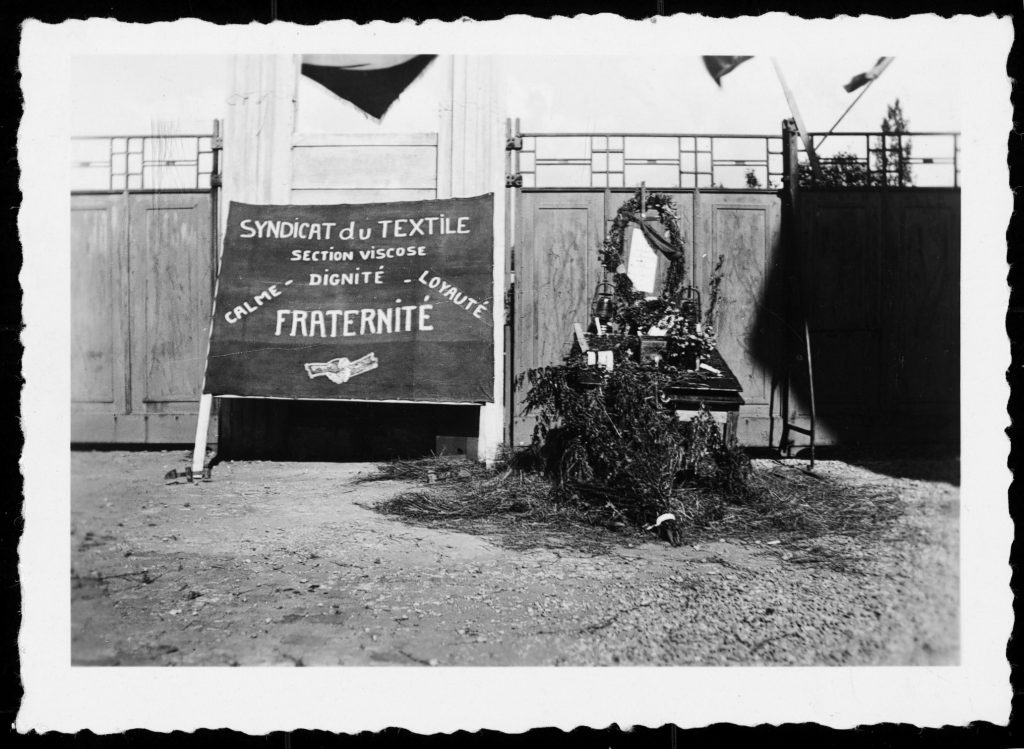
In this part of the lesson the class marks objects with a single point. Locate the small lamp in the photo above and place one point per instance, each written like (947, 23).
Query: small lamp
(690, 306)
(603, 305)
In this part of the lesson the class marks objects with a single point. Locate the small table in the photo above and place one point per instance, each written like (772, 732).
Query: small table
(720, 394)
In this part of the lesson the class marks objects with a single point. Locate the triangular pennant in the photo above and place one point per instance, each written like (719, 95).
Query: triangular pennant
(372, 83)
(719, 66)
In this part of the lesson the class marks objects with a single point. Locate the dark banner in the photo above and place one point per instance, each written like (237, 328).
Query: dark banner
(385, 301)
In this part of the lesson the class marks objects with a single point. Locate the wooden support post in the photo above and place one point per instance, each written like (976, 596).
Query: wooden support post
(202, 430)
(731, 428)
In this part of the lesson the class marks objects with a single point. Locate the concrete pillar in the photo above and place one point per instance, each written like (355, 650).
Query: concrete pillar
(258, 129)
(474, 138)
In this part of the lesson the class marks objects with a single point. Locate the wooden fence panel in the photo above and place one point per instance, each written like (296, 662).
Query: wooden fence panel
(170, 300)
(97, 336)
(743, 228)
(142, 269)
(557, 268)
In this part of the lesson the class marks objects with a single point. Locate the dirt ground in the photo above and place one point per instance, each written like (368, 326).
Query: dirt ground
(286, 564)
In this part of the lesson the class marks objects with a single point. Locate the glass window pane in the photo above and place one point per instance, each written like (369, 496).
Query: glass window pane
(704, 180)
(655, 175)
(168, 177)
(703, 162)
(686, 144)
(687, 162)
(615, 180)
(89, 178)
(599, 180)
(748, 149)
(703, 144)
(563, 175)
(599, 162)
(526, 162)
(563, 148)
(688, 180)
(599, 143)
(615, 143)
(615, 161)
(736, 176)
(90, 149)
(651, 148)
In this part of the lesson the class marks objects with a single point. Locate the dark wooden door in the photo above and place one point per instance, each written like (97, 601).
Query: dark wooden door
(921, 288)
(841, 270)
(881, 276)
(142, 269)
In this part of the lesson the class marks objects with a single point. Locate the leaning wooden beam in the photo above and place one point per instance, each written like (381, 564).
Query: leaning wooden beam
(800, 126)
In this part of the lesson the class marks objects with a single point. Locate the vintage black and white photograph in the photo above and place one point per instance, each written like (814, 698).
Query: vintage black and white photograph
(403, 356)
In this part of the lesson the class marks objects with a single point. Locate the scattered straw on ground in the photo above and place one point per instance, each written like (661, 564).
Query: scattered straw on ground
(441, 468)
(783, 502)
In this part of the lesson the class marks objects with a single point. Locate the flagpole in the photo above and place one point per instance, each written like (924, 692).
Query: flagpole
(804, 135)
(852, 105)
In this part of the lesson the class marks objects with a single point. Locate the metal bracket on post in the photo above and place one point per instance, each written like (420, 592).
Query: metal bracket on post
(514, 180)
(515, 143)
(200, 468)
(188, 475)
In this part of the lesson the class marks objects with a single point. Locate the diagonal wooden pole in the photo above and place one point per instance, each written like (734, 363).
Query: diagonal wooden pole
(843, 115)
(801, 128)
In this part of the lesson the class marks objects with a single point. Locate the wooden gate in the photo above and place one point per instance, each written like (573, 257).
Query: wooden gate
(557, 238)
(882, 289)
(141, 290)
(878, 264)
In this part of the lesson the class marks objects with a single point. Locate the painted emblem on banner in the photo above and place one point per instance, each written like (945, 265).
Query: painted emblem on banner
(341, 370)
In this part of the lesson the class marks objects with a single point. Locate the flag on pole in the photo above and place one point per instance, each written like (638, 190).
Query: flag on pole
(867, 76)
(371, 82)
(719, 66)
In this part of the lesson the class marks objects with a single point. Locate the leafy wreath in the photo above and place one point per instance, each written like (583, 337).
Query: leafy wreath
(611, 251)
(635, 313)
